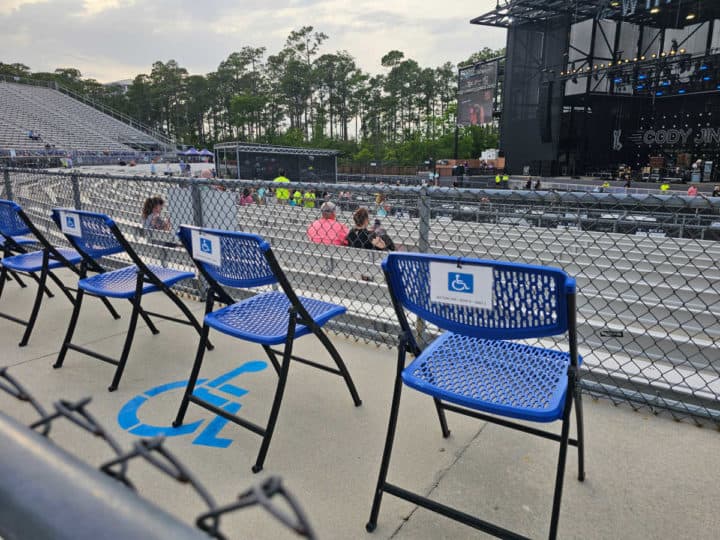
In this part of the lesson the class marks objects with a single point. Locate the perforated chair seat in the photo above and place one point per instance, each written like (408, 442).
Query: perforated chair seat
(498, 377)
(21, 240)
(32, 262)
(263, 318)
(121, 283)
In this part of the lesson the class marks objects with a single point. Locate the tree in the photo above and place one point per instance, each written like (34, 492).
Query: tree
(486, 53)
(298, 96)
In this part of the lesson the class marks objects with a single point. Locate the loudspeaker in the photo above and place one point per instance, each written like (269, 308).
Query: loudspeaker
(545, 111)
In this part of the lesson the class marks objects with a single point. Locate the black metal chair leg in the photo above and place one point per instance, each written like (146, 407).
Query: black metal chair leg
(560, 475)
(19, 280)
(188, 315)
(36, 305)
(442, 418)
(115, 315)
(45, 289)
(129, 338)
(273, 358)
(145, 317)
(340, 364)
(4, 278)
(389, 439)
(580, 434)
(275, 410)
(61, 285)
(193, 378)
(71, 329)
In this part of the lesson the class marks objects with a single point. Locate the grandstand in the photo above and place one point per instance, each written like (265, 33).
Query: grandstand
(65, 125)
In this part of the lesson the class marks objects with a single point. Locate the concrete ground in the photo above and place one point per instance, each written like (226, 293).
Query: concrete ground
(647, 476)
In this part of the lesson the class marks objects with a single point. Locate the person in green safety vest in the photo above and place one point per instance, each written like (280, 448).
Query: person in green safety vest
(297, 198)
(497, 180)
(309, 199)
(664, 187)
(282, 194)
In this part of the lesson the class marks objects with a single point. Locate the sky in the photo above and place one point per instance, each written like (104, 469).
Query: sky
(110, 40)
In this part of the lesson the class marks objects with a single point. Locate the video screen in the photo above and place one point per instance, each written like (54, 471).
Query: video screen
(476, 94)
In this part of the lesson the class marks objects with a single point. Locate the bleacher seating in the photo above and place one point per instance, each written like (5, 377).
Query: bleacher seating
(62, 122)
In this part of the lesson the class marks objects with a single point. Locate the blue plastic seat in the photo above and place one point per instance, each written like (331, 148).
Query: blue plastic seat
(16, 232)
(242, 260)
(19, 240)
(33, 261)
(492, 378)
(263, 318)
(95, 236)
(481, 365)
(122, 283)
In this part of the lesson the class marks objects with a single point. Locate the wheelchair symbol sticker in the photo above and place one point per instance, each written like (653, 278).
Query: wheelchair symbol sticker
(70, 223)
(218, 391)
(462, 283)
(206, 247)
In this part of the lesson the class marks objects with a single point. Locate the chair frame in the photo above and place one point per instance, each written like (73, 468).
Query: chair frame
(50, 253)
(408, 345)
(144, 275)
(297, 314)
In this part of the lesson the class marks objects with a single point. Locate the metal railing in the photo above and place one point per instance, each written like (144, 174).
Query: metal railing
(647, 266)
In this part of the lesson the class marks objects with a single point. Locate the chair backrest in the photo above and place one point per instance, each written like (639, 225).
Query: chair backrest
(91, 233)
(11, 224)
(480, 298)
(231, 258)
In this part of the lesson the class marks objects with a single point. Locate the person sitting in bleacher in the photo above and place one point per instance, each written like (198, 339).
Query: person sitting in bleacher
(326, 230)
(361, 237)
(151, 215)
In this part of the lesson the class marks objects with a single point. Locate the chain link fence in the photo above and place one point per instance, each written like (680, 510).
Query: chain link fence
(647, 266)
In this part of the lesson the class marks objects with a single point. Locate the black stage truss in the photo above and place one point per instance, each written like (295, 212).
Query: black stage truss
(658, 13)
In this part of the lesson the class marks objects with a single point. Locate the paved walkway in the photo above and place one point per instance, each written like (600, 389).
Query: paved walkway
(647, 477)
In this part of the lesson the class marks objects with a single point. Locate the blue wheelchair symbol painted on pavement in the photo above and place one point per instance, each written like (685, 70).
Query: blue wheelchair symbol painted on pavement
(460, 283)
(205, 389)
(70, 221)
(205, 245)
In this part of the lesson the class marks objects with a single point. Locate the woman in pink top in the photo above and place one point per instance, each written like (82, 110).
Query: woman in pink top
(692, 191)
(326, 230)
(246, 198)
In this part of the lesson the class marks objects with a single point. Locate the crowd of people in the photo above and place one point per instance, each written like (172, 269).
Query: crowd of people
(324, 230)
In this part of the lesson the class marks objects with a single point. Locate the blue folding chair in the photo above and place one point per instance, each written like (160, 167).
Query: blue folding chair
(473, 368)
(242, 260)
(17, 231)
(94, 236)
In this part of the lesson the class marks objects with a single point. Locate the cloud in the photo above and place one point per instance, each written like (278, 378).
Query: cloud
(8, 6)
(94, 7)
(117, 39)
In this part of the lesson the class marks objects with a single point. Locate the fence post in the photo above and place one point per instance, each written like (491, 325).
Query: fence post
(196, 200)
(423, 246)
(424, 224)
(76, 191)
(8, 185)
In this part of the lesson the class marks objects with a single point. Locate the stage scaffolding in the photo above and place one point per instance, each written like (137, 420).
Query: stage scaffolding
(265, 162)
(586, 81)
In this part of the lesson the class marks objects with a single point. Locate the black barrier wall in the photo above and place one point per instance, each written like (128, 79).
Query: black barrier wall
(647, 265)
